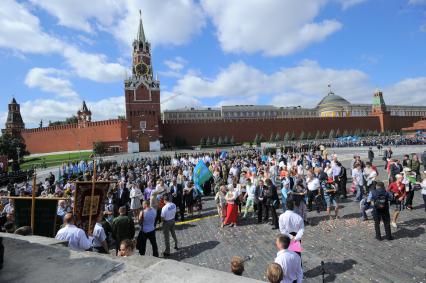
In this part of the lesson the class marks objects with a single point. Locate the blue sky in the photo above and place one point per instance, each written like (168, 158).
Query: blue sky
(54, 54)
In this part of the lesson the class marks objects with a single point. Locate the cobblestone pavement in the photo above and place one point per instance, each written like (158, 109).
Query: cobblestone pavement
(346, 245)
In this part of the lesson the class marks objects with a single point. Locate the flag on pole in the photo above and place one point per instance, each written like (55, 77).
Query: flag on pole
(223, 155)
(60, 176)
(201, 175)
(411, 179)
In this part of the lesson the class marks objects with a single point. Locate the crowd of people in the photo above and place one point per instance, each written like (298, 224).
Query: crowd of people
(155, 193)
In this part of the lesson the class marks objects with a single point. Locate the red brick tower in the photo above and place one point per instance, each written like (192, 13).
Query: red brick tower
(379, 109)
(142, 93)
(14, 122)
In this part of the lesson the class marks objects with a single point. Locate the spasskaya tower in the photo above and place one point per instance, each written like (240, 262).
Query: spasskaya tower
(142, 96)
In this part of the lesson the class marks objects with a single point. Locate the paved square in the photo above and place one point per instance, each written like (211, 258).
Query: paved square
(346, 245)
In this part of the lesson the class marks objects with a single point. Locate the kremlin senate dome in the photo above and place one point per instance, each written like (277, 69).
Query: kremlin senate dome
(333, 105)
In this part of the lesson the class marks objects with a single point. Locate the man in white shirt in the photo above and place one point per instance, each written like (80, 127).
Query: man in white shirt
(168, 213)
(290, 262)
(358, 179)
(76, 237)
(313, 190)
(291, 223)
(99, 237)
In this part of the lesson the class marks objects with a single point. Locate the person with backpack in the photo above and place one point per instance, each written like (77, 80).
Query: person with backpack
(379, 198)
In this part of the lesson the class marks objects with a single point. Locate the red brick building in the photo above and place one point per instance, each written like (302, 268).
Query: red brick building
(142, 96)
(142, 130)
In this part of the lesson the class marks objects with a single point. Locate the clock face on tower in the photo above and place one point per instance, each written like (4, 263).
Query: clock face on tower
(141, 69)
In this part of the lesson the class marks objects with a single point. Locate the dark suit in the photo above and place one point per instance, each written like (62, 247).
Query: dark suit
(272, 201)
(121, 198)
(178, 199)
(260, 192)
(370, 156)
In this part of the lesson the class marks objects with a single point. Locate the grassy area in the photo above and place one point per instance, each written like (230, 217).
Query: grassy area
(53, 160)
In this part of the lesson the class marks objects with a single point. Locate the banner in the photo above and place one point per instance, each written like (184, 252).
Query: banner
(45, 215)
(83, 201)
(201, 175)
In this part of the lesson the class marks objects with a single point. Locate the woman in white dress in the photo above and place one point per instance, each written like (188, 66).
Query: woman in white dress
(135, 200)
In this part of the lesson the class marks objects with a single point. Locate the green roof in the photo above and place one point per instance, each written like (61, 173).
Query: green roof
(332, 99)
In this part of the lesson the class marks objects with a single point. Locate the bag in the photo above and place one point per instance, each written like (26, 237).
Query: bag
(417, 187)
(381, 202)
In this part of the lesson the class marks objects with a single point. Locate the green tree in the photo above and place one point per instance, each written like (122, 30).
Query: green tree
(293, 136)
(71, 120)
(324, 135)
(9, 146)
(318, 135)
(286, 136)
(302, 135)
(202, 141)
(256, 140)
(309, 136)
(261, 138)
(208, 141)
(345, 133)
(99, 148)
(271, 137)
(225, 140)
(214, 141)
(232, 141)
(331, 135)
(277, 137)
(338, 134)
(219, 141)
(356, 133)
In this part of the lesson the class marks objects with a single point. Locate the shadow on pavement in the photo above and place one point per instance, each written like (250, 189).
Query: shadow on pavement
(406, 233)
(331, 269)
(194, 250)
(414, 222)
(184, 226)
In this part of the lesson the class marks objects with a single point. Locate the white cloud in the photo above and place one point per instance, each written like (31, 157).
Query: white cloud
(227, 83)
(174, 67)
(50, 80)
(273, 27)
(423, 28)
(346, 4)
(21, 31)
(165, 22)
(93, 66)
(173, 100)
(302, 85)
(308, 81)
(417, 2)
(176, 64)
(54, 110)
(78, 14)
(410, 91)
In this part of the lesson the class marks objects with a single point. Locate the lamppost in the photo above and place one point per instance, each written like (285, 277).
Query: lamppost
(18, 149)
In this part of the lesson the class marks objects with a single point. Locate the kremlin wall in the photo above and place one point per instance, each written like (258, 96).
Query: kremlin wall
(146, 127)
(244, 130)
(77, 137)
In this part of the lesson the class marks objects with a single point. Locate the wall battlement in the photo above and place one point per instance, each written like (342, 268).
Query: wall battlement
(75, 125)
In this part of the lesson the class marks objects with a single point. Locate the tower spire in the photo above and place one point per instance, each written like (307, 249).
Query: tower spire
(141, 34)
